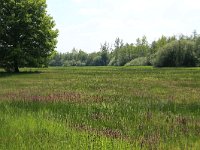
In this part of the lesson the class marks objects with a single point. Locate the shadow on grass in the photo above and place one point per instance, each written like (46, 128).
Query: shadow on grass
(8, 74)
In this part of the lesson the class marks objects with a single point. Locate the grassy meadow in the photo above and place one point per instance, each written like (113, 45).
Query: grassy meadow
(100, 108)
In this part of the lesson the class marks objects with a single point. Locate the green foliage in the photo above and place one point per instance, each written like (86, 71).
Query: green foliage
(75, 58)
(97, 60)
(142, 47)
(176, 54)
(125, 53)
(113, 62)
(197, 48)
(81, 58)
(187, 54)
(27, 34)
(56, 60)
(104, 54)
(140, 61)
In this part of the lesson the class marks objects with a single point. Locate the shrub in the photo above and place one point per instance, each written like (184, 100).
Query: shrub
(176, 54)
(140, 61)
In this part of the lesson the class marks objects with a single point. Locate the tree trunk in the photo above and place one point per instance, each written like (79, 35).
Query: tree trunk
(16, 69)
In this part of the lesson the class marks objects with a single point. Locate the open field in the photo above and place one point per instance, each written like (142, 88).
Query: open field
(100, 108)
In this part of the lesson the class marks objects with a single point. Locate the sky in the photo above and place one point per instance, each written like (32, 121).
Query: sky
(86, 24)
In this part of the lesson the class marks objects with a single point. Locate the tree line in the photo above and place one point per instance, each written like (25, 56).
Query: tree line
(173, 51)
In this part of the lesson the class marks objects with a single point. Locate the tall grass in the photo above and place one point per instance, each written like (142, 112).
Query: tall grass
(100, 108)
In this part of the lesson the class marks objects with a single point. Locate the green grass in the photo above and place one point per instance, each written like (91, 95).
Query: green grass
(100, 108)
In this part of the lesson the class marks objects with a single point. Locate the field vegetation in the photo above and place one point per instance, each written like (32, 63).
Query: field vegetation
(100, 108)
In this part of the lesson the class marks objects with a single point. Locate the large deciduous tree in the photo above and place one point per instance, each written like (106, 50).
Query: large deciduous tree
(27, 34)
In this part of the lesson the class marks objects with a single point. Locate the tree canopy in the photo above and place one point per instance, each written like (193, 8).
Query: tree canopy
(173, 51)
(27, 34)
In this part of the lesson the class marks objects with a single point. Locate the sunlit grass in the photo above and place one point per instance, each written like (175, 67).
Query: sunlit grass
(100, 108)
